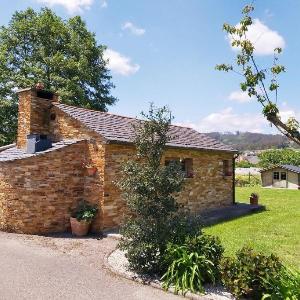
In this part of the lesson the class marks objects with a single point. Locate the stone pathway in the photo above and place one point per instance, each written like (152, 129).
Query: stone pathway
(231, 212)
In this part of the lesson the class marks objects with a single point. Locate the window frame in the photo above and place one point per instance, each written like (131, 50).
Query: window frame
(285, 175)
(227, 169)
(277, 175)
(186, 165)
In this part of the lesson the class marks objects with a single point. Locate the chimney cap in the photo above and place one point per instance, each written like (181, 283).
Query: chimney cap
(34, 88)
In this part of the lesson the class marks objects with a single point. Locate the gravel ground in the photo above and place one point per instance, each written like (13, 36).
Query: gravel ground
(119, 264)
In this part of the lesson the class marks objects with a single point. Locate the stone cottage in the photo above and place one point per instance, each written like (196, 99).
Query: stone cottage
(44, 175)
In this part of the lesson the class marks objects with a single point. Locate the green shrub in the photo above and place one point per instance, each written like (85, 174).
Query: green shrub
(85, 211)
(270, 158)
(244, 164)
(243, 180)
(246, 274)
(149, 189)
(193, 263)
(286, 286)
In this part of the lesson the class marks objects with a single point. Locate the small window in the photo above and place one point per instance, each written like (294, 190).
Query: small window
(227, 168)
(283, 176)
(276, 175)
(186, 165)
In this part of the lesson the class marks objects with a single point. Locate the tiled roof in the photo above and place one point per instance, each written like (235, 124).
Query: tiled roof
(14, 153)
(119, 129)
(292, 168)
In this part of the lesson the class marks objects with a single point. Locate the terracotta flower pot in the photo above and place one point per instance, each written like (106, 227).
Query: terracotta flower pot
(79, 228)
(91, 171)
(253, 200)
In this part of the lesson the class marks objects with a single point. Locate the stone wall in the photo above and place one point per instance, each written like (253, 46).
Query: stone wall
(38, 193)
(66, 127)
(209, 188)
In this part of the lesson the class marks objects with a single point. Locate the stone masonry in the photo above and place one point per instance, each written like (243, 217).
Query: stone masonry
(38, 193)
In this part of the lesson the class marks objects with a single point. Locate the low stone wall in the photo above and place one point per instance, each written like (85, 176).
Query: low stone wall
(38, 193)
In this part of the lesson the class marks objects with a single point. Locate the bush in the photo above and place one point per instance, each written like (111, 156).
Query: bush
(247, 274)
(270, 158)
(287, 286)
(193, 263)
(244, 164)
(243, 180)
(148, 188)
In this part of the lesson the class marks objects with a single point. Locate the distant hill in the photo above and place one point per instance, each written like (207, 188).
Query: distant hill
(252, 141)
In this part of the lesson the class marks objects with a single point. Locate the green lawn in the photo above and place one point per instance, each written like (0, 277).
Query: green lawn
(275, 230)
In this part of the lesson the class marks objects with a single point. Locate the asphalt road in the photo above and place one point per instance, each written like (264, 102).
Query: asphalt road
(31, 271)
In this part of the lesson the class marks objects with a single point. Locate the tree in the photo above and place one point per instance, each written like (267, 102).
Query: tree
(278, 157)
(261, 83)
(64, 55)
(148, 187)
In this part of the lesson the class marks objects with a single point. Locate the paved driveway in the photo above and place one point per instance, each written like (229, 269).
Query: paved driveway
(33, 267)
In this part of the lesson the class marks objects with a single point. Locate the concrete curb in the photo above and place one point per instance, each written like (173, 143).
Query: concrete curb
(153, 284)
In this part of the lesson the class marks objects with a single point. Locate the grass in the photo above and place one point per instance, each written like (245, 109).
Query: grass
(275, 230)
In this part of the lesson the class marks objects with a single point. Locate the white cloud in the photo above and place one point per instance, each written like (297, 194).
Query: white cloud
(133, 29)
(285, 114)
(264, 39)
(104, 4)
(72, 6)
(227, 120)
(119, 63)
(239, 96)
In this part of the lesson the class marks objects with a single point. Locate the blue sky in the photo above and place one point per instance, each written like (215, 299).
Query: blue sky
(165, 51)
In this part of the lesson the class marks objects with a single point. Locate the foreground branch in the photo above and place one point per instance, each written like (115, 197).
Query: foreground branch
(284, 129)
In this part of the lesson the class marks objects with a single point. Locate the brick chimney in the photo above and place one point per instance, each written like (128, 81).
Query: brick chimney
(34, 112)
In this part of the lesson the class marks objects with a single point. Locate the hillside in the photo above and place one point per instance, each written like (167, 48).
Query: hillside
(252, 141)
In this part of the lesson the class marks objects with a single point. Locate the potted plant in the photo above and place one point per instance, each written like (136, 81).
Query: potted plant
(82, 218)
(254, 199)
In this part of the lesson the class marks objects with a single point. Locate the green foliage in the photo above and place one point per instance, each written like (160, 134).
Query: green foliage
(246, 274)
(192, 263)
(245, 180)
(85, 211)
(64, 55)
(148, 187)
(286, 286)
(275, 157)
(244, 164)
(270, 110)
(260, 83)
(8, 121)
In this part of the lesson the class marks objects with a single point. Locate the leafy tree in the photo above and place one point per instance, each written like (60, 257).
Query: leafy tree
(148, 188)
(275, 157)
(64, 55)
(261, 83)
